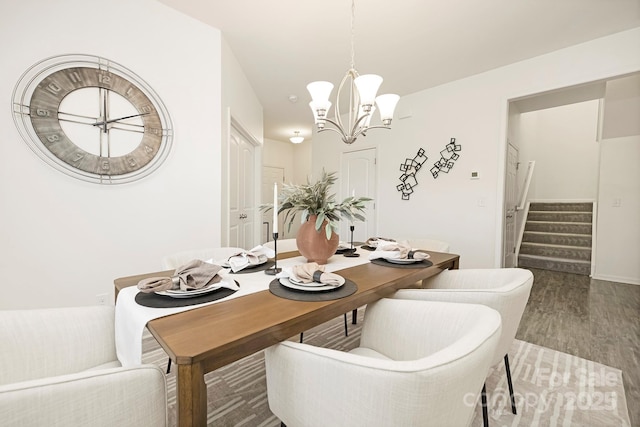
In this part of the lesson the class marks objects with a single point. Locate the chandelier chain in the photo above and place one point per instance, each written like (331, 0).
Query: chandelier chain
(353, 32)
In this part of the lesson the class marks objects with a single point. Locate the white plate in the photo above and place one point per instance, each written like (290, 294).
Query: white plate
(284, 281)
(295, 281)
(402, 260)
(177, 293)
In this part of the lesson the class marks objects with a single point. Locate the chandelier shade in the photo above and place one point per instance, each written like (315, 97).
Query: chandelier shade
(362, 90)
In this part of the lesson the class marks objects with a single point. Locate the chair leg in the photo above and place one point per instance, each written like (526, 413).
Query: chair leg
(169, 366)
(485, 413)
(346, 330)
(301, 334)
(354, 316)
(513, 400)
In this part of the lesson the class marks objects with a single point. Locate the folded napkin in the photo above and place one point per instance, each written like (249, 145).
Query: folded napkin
(373, 242)
(195, 274)
(312, 272)
(396, 250)
(255, 256)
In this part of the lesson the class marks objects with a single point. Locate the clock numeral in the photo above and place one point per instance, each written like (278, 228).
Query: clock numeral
(129, 92)
(41, 112)
(104, 79)
(54, 88)
(132, 162)
(148, 150)
(155, 131)
(77, 157)
(146, 108)
(105, 166)
(74, 76)
(53, 138)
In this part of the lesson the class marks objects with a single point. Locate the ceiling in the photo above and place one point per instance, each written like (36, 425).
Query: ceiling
(282, 45)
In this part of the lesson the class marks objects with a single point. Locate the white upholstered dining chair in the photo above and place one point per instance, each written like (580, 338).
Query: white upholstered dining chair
(506, 290)
(418, 363)
(58, 367)
(428, 244)
(284, 245)
(177, 259)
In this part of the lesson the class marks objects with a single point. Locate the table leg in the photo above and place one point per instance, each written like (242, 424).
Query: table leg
(191, 396)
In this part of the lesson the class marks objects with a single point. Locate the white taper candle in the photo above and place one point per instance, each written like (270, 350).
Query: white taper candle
(275, 207)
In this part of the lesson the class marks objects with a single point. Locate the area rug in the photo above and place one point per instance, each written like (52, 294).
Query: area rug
(551, 388)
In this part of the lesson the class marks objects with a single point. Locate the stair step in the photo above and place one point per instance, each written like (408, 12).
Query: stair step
(567, 239)
(556, 251)
(560, 216)
(558, 206)
(555, 264)
(559, 227)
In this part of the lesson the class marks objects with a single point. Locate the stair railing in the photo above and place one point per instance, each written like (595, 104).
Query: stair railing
(527, 183)
(522, 209)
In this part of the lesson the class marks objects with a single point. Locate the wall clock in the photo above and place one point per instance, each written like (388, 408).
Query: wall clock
(92, 118)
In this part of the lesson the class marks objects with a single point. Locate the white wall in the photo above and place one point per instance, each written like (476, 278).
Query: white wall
(240, 104)
(474, 111)
(618, 240)
(562, 141)
(295, 160)
(63, 241)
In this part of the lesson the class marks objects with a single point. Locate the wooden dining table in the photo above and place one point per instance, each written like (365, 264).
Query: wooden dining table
(204, 339)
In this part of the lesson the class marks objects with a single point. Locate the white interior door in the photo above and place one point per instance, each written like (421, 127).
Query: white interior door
(510, 202)
(242, 205)
(358, 176)
(270, 176)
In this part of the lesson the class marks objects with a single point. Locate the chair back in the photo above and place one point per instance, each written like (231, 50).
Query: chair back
(50, 342)
(428, 244)
(419, 363)
(284, 245)
(178, 259)
(506, 290)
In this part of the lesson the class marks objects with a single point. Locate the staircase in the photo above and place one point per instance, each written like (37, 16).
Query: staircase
(557, 236)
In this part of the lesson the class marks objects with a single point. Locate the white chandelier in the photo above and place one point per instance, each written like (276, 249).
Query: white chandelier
(362, 96)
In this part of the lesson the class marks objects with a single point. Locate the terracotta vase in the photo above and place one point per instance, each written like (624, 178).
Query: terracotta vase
(313, 245)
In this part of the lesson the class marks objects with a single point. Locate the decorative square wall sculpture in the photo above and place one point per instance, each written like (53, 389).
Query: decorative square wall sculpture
(409, 168)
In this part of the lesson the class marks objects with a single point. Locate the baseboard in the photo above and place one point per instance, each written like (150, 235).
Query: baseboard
(627, 280)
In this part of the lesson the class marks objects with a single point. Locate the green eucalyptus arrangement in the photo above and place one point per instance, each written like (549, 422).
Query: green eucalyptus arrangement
(315, 199)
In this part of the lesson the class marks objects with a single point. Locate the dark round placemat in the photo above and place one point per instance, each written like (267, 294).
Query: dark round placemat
(283, 292)
(384, 262)
(260, 267)
(154, 300)
(345, 250)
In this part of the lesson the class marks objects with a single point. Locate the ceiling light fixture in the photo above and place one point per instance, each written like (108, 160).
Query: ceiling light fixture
(362, 95)
(296, 139)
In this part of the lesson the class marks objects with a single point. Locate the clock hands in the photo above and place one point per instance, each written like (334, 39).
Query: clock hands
(105, 122)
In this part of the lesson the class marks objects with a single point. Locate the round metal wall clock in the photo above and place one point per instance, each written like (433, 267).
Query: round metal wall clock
(92, 118)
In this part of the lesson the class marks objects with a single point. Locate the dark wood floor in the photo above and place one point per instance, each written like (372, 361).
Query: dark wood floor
(592, 319)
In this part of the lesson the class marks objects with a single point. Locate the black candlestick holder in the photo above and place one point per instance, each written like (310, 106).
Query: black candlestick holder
(351, 253)
(274, 270)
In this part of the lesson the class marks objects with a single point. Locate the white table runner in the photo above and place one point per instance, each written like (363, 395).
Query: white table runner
(131, 318)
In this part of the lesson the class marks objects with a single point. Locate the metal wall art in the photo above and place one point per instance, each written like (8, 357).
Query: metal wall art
(448, 157)
(409, 168)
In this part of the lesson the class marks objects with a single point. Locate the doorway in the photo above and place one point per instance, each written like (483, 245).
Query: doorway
(242, 213)
(358, 177)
